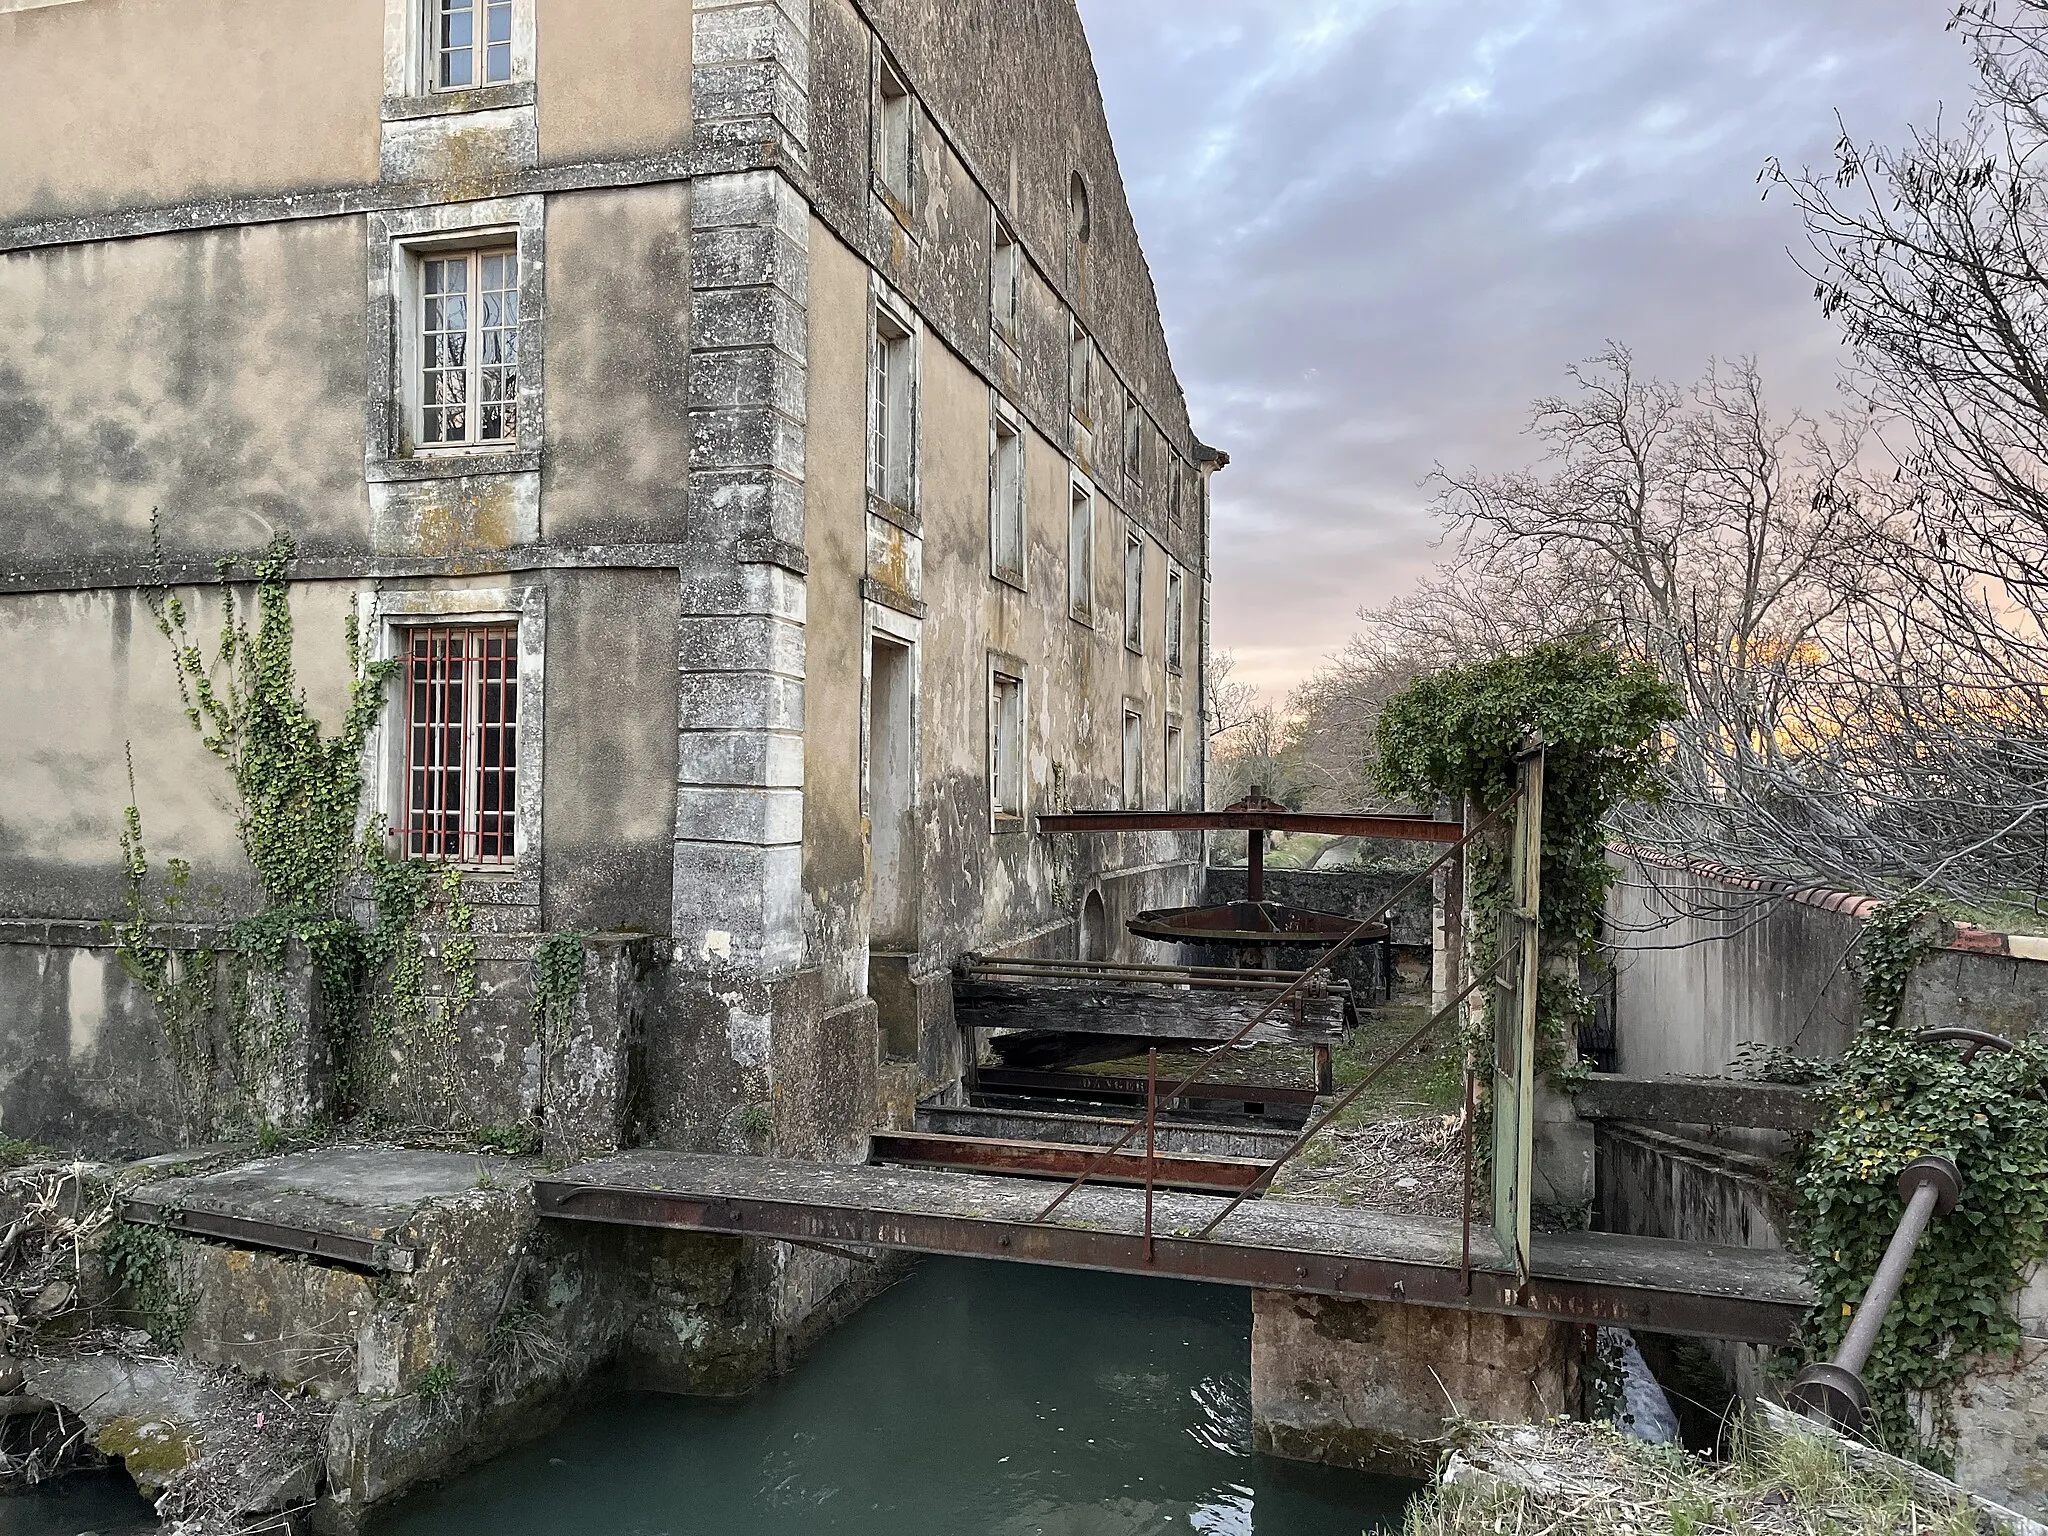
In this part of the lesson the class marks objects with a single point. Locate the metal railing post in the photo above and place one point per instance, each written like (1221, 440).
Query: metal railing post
(1151, 1124)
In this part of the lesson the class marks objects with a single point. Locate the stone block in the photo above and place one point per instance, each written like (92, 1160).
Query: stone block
(758, 96)
(2001, 1428)
(736, 34)
(746, 502)
(747, 643)
(740, 701)
(1373, 1385)
(594, 1060)
(721, 586)
(748, 376)
(739, 815)
(746, 437)
(741, 757)
(276, 1318)
(750, 197)
(749, 317)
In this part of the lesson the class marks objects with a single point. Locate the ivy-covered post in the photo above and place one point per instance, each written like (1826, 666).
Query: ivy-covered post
(1456, 734)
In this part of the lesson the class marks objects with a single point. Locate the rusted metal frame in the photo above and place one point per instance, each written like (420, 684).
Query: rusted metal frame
(1099, 967)
(1265, 1180)
(1151, 1127)
(1316, 967)
(1022, 1080)
(1255, 865)
(1414, 829)
(247, 1231)
(993, 1154)
(1111, 979)
(1738, 1319)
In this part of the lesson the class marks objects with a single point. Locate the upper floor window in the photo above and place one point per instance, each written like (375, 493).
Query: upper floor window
(1079, 228)
(892, 408)
(1081, 376)
(1175, 599)
(1134, 760)
(1176, 766)
(1134, 592)
(1176, 488)
(892, 146)
(468, 348)
(470, 42)
(1006, 495)
(1006, 275)
(1134, 440)
(1081, 553)
(460, 796)
(1006, 747)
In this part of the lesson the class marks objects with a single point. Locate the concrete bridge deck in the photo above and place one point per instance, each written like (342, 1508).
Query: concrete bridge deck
(1742, 1294)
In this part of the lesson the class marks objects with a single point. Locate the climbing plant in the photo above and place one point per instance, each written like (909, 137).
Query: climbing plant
(1457, 733)
(1889, 1099)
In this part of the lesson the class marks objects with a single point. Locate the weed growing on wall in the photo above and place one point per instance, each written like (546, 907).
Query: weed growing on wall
(1889, 1099)
(1456, 733)
(142, 1259)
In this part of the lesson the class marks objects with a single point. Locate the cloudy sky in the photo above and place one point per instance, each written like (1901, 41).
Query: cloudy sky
(1381, 227)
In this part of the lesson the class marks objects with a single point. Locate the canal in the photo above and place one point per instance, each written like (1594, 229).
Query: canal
(973, 1399)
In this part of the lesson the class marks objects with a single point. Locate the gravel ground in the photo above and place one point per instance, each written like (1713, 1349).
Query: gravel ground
(1412, 1167)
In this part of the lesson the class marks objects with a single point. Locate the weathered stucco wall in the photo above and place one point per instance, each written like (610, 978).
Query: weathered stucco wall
(215, 376)
(612, 77)
(184, 101)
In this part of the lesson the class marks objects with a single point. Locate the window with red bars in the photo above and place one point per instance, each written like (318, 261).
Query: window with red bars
(461, 743)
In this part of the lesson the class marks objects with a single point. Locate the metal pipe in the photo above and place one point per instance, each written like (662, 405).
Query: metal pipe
(1151, 1127)
(1834, 1390)
(1465, 1225)
(1255, 866)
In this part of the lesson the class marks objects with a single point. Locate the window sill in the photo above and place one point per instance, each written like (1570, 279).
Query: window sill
(898, 204)
(1084, 619)
(483, 98)
(1135, 650)
(1013, 579)
(1173, 669)
(889, 512)
(1002, 826)
(455, 466)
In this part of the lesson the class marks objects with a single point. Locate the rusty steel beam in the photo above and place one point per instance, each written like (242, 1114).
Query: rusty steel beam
(248, 1232)
(1058, 1160)
(1414, 829)
(1734, 1318)
(1081, 1084)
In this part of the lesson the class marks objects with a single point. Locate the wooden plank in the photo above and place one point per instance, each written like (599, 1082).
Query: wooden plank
(1698, 1101)
(1185, 1136)
(1741, 1294)
(1093, 1085)
(1141, 1012)
(1058, 1160)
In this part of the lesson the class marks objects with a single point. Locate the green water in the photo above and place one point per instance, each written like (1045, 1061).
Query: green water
(971, 1400)
(974, 1399)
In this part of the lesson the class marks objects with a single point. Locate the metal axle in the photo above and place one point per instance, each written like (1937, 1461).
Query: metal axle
(1834, 1390)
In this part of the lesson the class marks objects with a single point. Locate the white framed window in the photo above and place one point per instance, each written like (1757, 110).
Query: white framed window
(1005, 748)
(892, 408)
(1176, 765)
(463, 385)
(1006, 279)
(1176, 598)
(469, 43)
(1005, 493)
(1081, 376)
(1134, 760)
(1081, 552)
(1134, 592)
(1134, 440)
(894, 110)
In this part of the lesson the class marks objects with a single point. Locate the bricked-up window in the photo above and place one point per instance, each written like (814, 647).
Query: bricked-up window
(461, 743)
(471, 41)
(469, 348)
(892, 409)
(1175, 599)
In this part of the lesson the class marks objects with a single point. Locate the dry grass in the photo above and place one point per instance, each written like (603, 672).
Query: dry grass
(1569, 1479)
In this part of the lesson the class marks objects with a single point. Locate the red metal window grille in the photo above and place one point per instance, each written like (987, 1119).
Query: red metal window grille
(461, 743)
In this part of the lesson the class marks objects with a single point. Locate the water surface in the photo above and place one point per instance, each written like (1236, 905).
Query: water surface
(974, 1399)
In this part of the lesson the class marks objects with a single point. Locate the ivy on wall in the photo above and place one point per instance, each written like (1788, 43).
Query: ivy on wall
(299, 797)
(1889, 1099)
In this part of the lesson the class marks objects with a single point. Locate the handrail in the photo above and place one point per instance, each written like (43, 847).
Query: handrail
(1319, 964)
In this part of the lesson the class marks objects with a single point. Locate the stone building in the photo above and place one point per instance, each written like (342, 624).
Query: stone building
(751, 425)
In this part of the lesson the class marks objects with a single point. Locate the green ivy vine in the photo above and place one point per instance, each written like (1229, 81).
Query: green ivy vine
(1457, 733)
(1888, 1099)
(557, 981)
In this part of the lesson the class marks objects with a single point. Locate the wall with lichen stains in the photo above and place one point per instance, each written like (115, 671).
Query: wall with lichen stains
(216, 376)
(125, 103)
(613, 77)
